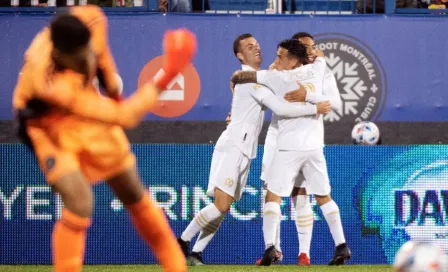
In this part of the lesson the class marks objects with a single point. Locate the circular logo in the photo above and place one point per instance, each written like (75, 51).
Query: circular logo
(180, 95)
(359, 74)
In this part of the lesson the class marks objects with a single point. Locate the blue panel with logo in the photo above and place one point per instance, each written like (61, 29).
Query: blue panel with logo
(385, 70)
(386, 196)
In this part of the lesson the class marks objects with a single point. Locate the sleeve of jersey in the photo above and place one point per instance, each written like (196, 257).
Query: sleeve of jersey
(271, 79)
(106, 62)
(330, 93)
(90, 105)
(95, 18)
(285, 109)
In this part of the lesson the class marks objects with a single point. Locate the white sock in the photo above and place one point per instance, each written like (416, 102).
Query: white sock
(277, 237)
(331, 214)
(201, 220)
(271, 218)
(304, 222)
(207, 234)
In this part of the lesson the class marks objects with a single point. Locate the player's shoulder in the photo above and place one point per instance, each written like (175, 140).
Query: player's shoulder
(90, 15)
(39, 47)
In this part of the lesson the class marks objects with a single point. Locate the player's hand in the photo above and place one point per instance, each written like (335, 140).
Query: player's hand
(319, 53)
(323, 107)
(296, 95)
(179, 47)
(228, 119)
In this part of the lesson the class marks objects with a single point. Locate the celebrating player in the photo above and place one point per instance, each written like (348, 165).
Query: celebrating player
(304, 214)
(77, 135)
(299, 141)
(237, 146)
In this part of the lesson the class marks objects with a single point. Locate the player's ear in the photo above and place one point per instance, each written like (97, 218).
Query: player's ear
(240, 56)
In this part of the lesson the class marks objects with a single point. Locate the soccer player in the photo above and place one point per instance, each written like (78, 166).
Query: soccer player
(304, 214)
(237, 146)
(300, 140)
(77, 135)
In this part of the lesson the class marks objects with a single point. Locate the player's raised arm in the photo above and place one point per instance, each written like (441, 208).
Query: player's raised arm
(67, 92)
(271, 79)
(96, 21)
(280, 108)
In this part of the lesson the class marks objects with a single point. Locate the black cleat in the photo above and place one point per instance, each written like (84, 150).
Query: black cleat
(185, 246)
(269, 256)
(341, 254)
(195, 259)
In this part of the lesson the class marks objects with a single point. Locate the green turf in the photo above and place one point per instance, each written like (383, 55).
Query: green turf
(208, 268)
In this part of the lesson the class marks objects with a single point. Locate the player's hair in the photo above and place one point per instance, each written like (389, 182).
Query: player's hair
(300, 35)
(236, 42)
(295, 49)
(68, 33)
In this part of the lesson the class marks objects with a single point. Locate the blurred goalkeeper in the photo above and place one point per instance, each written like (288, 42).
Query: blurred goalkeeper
(77, 134)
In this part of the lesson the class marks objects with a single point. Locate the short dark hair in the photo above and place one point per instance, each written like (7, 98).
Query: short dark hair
(68, 33)
(295, 49)
(236, 42)
(300, 35)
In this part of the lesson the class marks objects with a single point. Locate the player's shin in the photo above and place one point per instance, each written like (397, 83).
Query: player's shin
(69, 237)
(153, 226)
(333, 218)
(271, 219)
(207, 234)
(202, 221)
(304, 222)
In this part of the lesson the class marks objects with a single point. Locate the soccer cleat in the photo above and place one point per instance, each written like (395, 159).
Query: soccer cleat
(269, 256)
(341, 254)
(185, 246)
(304, 260)
(195, 259)
(278, 258)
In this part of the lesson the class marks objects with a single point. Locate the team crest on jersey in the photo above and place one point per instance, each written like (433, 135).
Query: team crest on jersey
(228, 182)
(359, 74)
(256, 87)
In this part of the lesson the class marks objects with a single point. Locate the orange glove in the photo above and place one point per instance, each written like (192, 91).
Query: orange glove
(179, 47)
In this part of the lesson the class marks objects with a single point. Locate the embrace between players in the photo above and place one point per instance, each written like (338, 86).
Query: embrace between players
(77, 136)
(299, 89)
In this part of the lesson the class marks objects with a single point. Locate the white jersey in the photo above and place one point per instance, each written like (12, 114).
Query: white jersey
(248, 116)
(330, 93)
(307, 132)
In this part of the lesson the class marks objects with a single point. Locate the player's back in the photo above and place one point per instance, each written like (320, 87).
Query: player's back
(38, 76)
(247, 119)
(306, 132)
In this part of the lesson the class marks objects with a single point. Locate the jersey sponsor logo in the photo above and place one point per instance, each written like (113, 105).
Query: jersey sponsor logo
(359, 74)
(180, 95)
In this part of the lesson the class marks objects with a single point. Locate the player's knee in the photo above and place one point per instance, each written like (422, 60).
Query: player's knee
(302, 201)
(321, 200)
(271, 197)
(127, 187)
(76, 193)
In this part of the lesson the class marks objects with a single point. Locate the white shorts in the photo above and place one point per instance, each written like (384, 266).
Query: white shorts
(268, 156)
(285, 168)
(228, 172)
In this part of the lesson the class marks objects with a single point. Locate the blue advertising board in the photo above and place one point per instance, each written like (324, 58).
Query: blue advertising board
(385, 69)
(386, 195)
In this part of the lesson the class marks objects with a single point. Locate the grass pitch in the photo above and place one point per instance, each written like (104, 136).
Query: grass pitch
(208, 268)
